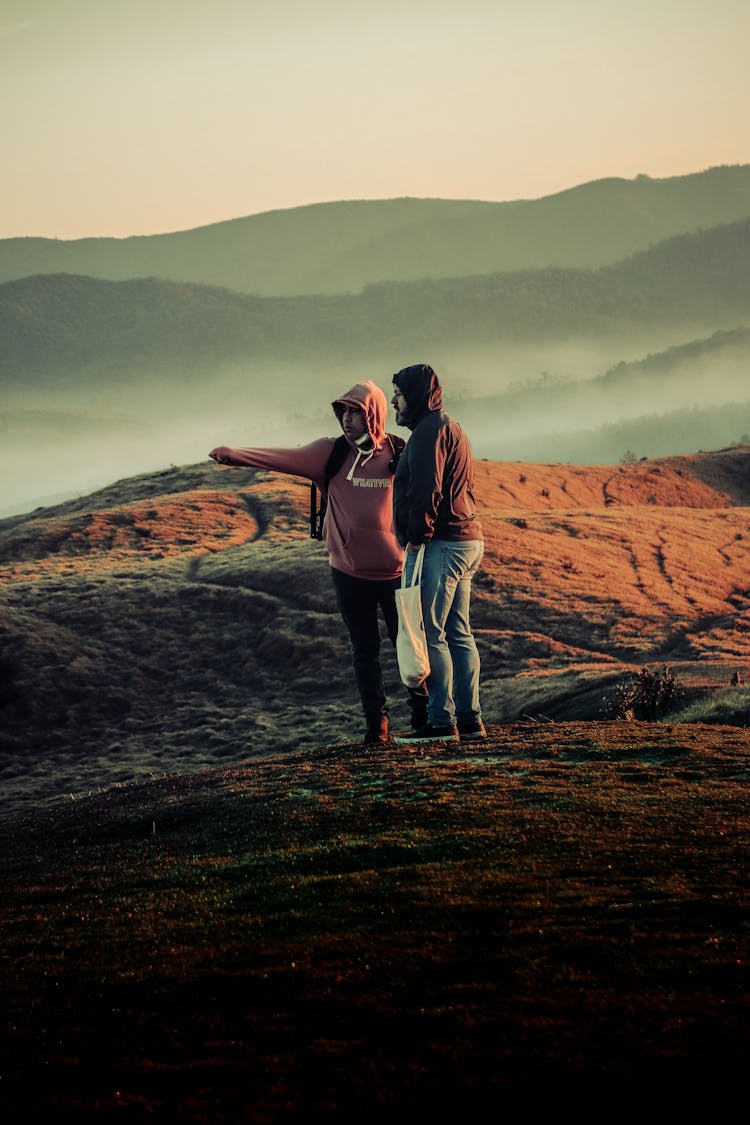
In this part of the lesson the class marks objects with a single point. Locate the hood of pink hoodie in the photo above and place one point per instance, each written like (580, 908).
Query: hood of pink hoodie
(372, 401)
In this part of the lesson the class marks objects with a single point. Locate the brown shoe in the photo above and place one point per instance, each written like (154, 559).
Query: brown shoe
(377, 730)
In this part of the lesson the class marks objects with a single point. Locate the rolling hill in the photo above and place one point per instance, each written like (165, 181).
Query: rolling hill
(342, 247)
(184, 618)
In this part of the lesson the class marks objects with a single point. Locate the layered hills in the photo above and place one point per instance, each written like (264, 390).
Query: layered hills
(183, 618)
(341, 247)
(75, 326)
(619, 326)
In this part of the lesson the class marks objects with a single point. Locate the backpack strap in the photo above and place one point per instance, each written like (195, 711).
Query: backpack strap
(336, 459)
(316, 514)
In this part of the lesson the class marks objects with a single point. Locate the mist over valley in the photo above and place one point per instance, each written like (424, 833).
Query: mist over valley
(646, 354)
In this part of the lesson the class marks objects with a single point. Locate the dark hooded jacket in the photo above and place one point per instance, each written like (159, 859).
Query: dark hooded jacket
(433, 491)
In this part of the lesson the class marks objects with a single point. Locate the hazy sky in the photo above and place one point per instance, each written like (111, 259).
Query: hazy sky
(137, 116)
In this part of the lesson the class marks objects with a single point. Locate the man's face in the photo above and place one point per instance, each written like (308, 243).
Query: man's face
(353, 422)
(398, 402)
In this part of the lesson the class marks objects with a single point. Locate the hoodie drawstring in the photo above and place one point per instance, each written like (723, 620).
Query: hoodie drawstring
(367, 455)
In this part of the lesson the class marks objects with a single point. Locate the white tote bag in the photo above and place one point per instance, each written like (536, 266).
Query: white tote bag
(411, 643)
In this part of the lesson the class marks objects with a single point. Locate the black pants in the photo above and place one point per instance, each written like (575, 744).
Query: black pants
(358, 600)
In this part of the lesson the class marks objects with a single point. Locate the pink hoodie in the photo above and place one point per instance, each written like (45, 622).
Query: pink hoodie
(358, 528)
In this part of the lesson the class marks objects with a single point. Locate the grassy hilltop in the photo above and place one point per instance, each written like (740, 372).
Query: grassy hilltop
(559, 916)
(219, 906)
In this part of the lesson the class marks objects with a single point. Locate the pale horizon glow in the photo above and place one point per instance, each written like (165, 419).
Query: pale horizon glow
(146, 118)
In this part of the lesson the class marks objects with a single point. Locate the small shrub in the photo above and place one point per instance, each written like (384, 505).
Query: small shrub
(648, 695)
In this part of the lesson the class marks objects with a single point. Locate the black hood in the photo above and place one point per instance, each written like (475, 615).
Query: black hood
(420, 386)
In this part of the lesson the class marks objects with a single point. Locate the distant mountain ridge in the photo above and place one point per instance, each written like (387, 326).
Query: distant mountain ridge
(65, 324)
(340, 247)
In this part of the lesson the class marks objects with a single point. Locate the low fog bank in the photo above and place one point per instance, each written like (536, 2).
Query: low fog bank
(585, 402)
(47, 458)
(66, 466)
(689, 396)
(68, 442)
(653, 436)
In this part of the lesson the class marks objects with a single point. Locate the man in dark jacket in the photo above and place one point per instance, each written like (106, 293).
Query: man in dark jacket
(434, 505)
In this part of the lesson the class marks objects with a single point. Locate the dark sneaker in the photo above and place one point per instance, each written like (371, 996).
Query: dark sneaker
(473, 731)
(429, 733)
(377, 730)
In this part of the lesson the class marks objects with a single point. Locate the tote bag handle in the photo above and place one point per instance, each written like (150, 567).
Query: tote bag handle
(416, 576)
(411, 643)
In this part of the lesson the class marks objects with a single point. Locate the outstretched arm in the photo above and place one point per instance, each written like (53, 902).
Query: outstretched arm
(301, 461)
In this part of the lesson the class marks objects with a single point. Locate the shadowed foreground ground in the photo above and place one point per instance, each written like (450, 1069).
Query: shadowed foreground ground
(342, 933)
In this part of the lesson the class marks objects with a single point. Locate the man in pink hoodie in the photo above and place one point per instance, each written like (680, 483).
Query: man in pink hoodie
(365, 556)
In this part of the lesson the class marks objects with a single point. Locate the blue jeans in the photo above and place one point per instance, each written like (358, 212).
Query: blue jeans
(453, 683)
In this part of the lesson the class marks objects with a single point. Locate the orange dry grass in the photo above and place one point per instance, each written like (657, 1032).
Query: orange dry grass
(543, 487)
(657, 571)
(347, 926)
(634, 557)
(170, 526)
